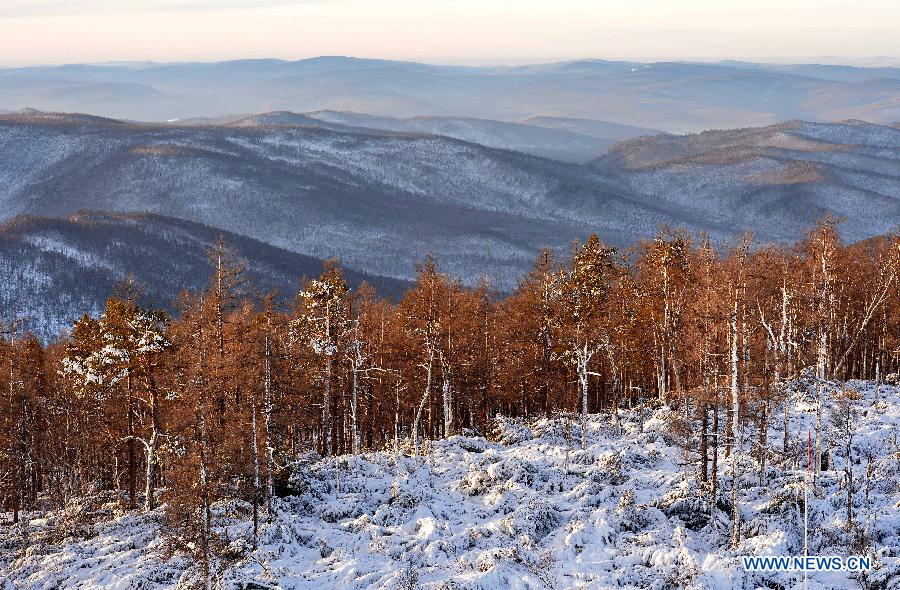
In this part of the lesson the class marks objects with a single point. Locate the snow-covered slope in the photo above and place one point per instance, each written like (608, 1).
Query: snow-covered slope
(522, 509)
(52, 271)
(539, 139)
(381, 201)
(769, 176)
(592, 127)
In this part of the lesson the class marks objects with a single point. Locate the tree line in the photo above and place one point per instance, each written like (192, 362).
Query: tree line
(218, 401)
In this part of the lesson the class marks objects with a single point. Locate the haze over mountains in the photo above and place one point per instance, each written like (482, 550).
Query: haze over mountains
(672, 96)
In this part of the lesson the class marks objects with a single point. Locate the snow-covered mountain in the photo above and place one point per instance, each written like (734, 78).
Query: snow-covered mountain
(605, 130)
(54, 270)
(381, 200)
(546, 137)
(769, 177)
(673, 96)
(538, 140)
(522, 509)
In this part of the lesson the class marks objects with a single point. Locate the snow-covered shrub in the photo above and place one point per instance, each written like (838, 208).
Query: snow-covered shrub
(508, 431)
(301, 481)
(512, 472)
(468, 443)
(661, 420)
(633, 517)
(885, 573)
(591, 493)
(582, 457)
(536, 519)
(687, 505)
(885, 476)
(475, 483)
(610, 468)
(339, 509)
(785, 500)
(556, 430)
(408, 579)
(403, 502)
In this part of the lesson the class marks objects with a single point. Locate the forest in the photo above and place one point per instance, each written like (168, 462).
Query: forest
(218, 401)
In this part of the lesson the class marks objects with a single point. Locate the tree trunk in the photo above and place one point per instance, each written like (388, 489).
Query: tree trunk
(203, 475)
(132, 454)
(256, 478)
(735, 431)
(714, 467)
(149, 500)
(270, 445)
(425, 395)
(817, 456)
(583, 381)
(354, 382)
(447, 397)
(704, 425)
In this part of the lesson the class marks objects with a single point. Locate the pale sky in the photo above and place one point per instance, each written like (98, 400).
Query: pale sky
(447, 31)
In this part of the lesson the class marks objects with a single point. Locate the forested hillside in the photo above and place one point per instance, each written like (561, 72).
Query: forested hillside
(219, 402)
(57, 269)
(381, 200)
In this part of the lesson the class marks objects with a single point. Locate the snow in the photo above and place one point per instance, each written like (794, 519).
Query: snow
(523, 508)
(56, 243)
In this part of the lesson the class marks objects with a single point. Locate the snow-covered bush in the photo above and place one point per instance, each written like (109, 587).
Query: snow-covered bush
(509, 431)
(688, 506)
(536, 519)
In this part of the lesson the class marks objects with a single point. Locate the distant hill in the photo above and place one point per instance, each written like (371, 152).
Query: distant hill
(381, 200)
(537, 136)
(770, 176)
(52, 270)
(672, 96)
(547, 137)
(272, 119)
(378, 200)
(606, 131)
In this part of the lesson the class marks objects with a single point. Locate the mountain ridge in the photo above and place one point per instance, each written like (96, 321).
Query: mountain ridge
(672, 96)
(70, 265)
(380, 201)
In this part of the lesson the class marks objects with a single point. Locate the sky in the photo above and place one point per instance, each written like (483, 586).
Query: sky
(448, 31)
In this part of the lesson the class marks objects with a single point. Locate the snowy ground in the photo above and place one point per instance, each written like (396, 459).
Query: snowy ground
(520, 510)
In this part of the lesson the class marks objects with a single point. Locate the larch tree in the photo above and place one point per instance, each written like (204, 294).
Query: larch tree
(322, 326)
(663, 268)
(584, 290)
(422, 316)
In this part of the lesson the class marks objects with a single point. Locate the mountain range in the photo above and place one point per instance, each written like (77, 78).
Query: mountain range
(380, 200)
(671, 96)
(567, 140)
(772, 180)
(380, 163)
